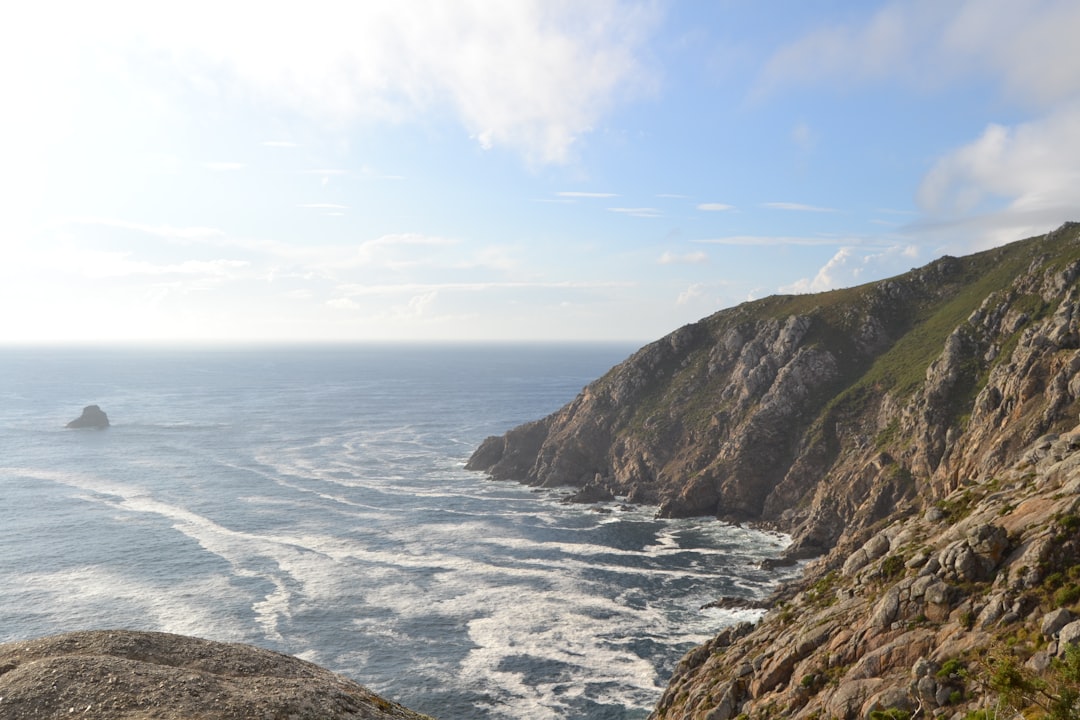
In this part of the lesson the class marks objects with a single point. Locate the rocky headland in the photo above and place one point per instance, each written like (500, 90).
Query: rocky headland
(142, 675)
(918, 439)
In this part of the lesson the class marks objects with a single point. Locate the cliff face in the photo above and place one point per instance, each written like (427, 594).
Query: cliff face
(822, 414)
(969, 606)
(917, 436)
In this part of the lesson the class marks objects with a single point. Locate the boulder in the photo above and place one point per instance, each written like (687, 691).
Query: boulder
(1054, 621)
(1068, 635)
(142, 675)
(92, 417)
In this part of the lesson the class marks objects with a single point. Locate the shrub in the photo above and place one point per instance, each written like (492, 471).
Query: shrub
(892, 566)
(1067, 595)
(951, 669)
(890, 714)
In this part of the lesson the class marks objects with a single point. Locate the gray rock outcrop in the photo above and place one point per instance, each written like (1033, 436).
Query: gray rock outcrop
(142, 675)
(92, 417)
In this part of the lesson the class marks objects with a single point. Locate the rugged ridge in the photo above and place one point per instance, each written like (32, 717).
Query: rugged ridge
(821, 414)
(917, 437)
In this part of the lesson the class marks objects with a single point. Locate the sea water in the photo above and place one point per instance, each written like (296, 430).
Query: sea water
(313, 500)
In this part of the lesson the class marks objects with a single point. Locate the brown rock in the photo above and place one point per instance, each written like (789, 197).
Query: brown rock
(140, 675)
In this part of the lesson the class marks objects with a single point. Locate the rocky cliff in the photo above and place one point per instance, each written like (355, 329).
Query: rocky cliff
(137, 675)
(968, 609)
(913, 434)
(822, 414)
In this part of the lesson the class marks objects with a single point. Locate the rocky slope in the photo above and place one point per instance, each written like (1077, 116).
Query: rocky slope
(821, 414)
(914, 435)
(968, 607)
(125, 675)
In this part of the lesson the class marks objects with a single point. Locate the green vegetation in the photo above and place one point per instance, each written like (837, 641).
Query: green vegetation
(1067, 595)
(951, 669)
(892, 566)
(823, 592)
(1054, 695)
(956, 507)
(890, 714)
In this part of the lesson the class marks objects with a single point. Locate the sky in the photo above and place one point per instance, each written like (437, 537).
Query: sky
(509, 170)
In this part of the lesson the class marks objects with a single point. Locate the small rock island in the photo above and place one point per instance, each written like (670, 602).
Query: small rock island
(92, 417)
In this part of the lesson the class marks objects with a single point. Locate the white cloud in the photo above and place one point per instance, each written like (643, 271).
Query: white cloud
(804, 138)
(641, 212)
(224, 166)
(690, 294)
(693, 258)
(106, 265)
(1011, 181)
(797, 207)
(715, 207)
(929, 44)
(413, 288)
(1033, 166)
(532, 75)
(766, 240)
(849, 267)
(825, 278)
(165, 231)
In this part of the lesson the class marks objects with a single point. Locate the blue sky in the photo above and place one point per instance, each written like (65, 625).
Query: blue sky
(522, 170)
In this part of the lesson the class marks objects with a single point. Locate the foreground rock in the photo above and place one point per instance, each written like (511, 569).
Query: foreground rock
(92, 417)
(141, 675)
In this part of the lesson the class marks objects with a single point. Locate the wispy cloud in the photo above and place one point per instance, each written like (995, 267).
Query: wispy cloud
(797, 207)
(641, 212)
(930, 45)
(715, 207)
(224, 166)
(767, 240)
(356, 290)
(537, 77)
(165, 231)
(692, 258)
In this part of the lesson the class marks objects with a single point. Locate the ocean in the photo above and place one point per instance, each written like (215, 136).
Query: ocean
(313, 500)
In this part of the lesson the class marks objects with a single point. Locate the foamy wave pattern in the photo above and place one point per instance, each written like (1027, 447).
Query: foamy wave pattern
(355, 539)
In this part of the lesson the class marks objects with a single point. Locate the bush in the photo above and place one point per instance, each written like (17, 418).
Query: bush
(951, 669)
(1067, 595)
(890, 714)
(892, 566)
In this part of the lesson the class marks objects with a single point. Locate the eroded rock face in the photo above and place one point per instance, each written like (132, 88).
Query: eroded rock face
(918, 615)
(823, 414)
(92, 417)
(916, 436)
(140, 675)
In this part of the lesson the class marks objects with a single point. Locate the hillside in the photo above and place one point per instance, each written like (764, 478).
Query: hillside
(913, 435)
(822, 414)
